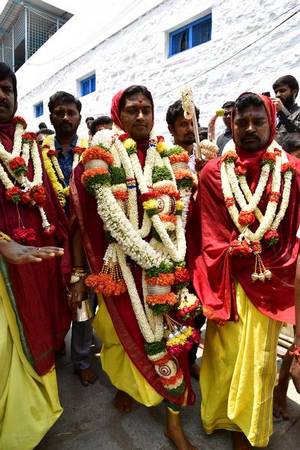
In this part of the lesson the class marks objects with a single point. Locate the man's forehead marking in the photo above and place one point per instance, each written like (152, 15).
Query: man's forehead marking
(137, 98)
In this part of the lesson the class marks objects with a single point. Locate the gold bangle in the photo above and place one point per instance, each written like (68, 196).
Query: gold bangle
(4, 237)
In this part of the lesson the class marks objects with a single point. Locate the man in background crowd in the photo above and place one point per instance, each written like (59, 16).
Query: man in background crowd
(89, 121)
(286, 89)
(183, 133)
(101, 123)
(65, 117)
(227, 135)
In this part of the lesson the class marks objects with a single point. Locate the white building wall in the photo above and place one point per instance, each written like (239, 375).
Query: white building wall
(137, 54)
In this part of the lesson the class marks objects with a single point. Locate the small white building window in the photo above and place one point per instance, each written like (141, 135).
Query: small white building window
(38, 109)
(190, 35)
(87, 85)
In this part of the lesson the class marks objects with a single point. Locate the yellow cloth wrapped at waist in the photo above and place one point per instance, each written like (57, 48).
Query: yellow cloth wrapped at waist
(29, 404)
(116, 363)
(238, 373)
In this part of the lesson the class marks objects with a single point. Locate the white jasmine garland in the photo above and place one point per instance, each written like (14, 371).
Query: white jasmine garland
(26, 150)
(248, 201)
(149, 334)
(122, 223)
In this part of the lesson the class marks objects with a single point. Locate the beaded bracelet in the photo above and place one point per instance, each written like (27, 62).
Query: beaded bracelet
(295, 353)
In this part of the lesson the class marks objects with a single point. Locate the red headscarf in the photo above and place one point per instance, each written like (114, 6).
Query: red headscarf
(214, 270)
(270, 110)
(115, 112)
(115, 105)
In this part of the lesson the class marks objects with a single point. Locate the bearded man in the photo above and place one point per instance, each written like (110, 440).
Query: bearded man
(29, 214)
(244, 270)
(286, 89)
(136, 248)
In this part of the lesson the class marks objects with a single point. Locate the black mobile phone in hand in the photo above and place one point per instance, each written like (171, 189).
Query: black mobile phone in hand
(267, 94)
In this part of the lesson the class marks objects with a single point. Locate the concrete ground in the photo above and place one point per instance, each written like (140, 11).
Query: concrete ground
(90, 422)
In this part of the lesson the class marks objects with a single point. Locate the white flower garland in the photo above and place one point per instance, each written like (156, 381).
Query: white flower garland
(18, 151)
(26, 151)
(247, 201)
(130, 239)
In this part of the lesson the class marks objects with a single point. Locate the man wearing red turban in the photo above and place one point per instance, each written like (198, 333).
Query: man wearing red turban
(243, 267)
(134, 351)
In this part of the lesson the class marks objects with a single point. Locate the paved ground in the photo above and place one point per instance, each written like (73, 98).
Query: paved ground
(90, 422)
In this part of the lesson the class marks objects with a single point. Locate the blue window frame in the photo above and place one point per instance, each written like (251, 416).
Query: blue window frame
(88, 85)
(192, 34)
(39, 109)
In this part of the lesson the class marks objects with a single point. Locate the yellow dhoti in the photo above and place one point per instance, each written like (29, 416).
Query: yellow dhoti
(238, 373)
(29, 404)
(116, 363)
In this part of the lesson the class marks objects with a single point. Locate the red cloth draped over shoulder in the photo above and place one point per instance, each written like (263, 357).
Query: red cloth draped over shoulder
(119, 307)
(39, 289)
(214, 270)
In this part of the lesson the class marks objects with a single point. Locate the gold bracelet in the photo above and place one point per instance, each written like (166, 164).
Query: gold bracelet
(4, 237)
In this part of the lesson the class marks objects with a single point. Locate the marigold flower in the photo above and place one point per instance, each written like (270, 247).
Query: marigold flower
(166, 299)
(181, 275)
(181, 157)
(268, 158)
(179, 205)
(130, 146)
(150, 204)
(163, 279)
(183, 173)
(230, 156)
(240, 169)
(161, 146)
(288, 167)
(97, 153)
(167, 218)
(104, 283)
(246, 217)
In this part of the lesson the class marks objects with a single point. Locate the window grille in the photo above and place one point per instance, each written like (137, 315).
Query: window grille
(40, 29)
(7, 43)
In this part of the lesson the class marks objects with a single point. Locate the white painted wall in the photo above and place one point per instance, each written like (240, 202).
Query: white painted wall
(137, 55)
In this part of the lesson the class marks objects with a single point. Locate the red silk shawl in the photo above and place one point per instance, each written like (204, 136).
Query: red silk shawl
(211, 230)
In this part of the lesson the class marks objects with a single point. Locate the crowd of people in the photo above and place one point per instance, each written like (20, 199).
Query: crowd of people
(154, 238)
